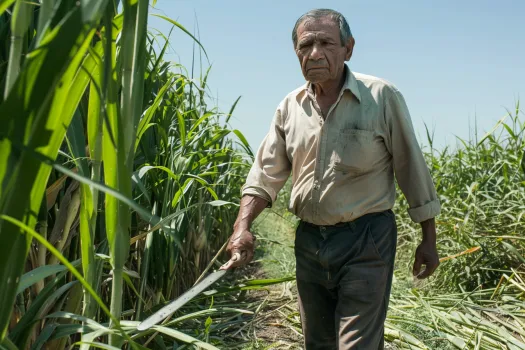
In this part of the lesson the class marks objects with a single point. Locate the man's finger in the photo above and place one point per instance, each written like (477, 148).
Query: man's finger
(417, 266)
(227, 265)
(236, 260)
(248, 256)
(238, 256)
(429, 270)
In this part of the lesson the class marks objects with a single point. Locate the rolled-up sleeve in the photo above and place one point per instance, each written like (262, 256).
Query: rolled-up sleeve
(410, 168)
(271, 166)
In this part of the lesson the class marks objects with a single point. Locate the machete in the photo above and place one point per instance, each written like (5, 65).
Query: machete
(176, 304)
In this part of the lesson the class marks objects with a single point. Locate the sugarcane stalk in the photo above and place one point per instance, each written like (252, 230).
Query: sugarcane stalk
(44, 17)
(133, 65)
(120, 161)
(95, 133)
(89, 267)
(116, 215)
(19, 24)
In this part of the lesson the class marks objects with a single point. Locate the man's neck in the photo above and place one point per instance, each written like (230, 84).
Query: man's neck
(330, 88)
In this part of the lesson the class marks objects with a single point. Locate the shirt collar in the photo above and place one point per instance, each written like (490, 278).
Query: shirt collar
(350, 84)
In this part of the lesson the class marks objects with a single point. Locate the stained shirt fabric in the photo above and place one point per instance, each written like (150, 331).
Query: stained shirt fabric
(343, 166)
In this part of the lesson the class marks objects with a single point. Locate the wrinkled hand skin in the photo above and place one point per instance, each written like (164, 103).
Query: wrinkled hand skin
(243, 243)
(426, 252)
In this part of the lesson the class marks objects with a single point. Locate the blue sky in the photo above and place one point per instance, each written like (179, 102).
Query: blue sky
(454, 61)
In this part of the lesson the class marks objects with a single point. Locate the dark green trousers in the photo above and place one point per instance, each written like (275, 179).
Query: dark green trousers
(344, 276)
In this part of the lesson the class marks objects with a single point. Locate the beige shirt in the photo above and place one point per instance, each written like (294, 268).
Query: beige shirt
(343, 167)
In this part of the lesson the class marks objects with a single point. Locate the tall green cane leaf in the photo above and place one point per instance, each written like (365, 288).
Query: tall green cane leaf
(4, 5)
(245, 143)
(219, 135)
(22, 332)
(181, 27)
(44, 336)
(182, 128)
(150, 112)
(195, 126)
(98, 345)
(233, 108)
(488, 134)
(33, 115)
(183, 337)
(148, 217)
(77, 143)
(25, 228)
(155, 68)
(7, 344)
(38, 274)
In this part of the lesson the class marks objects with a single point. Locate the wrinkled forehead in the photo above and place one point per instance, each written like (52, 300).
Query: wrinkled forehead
(318, 27)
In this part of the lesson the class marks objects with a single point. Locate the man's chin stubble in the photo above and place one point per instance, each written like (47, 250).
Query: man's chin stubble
(316, 79)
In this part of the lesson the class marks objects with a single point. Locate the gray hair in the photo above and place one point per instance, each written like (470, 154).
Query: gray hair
(337, 17)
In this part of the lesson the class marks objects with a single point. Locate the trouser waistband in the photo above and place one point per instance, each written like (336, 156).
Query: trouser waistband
(348, 223)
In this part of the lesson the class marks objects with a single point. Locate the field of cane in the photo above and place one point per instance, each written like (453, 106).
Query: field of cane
(120, 182)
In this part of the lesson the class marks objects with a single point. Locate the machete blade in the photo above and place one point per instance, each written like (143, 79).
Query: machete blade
(180, 301)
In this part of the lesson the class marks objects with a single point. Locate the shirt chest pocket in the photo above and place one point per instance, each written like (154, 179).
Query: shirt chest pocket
(355, 151)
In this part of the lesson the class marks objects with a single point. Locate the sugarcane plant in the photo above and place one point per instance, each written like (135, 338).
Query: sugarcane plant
(118, 184)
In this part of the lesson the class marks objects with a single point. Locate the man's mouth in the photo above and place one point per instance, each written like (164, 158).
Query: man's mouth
(311, 68)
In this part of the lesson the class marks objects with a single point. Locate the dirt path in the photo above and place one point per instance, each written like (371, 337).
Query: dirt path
(275, 323)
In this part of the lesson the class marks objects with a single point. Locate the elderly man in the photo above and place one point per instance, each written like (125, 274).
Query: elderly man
(342, 136)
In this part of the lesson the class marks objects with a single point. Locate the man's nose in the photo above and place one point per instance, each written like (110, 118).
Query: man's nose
(316, 53)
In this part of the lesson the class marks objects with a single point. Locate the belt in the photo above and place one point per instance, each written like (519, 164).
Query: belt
(348, 223)
(338, 225)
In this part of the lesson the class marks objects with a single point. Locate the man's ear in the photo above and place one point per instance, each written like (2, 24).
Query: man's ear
(349, 48)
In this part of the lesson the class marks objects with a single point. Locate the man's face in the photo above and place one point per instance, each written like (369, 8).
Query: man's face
(320, 51)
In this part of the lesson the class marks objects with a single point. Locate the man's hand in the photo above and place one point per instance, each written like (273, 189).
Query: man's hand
(240, 249)
(241, 245)
(426, 252)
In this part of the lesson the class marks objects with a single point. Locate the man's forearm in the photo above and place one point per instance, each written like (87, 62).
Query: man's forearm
(429, 231)
(251, 207)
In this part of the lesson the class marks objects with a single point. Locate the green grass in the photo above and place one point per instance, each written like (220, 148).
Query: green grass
(275, 236)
